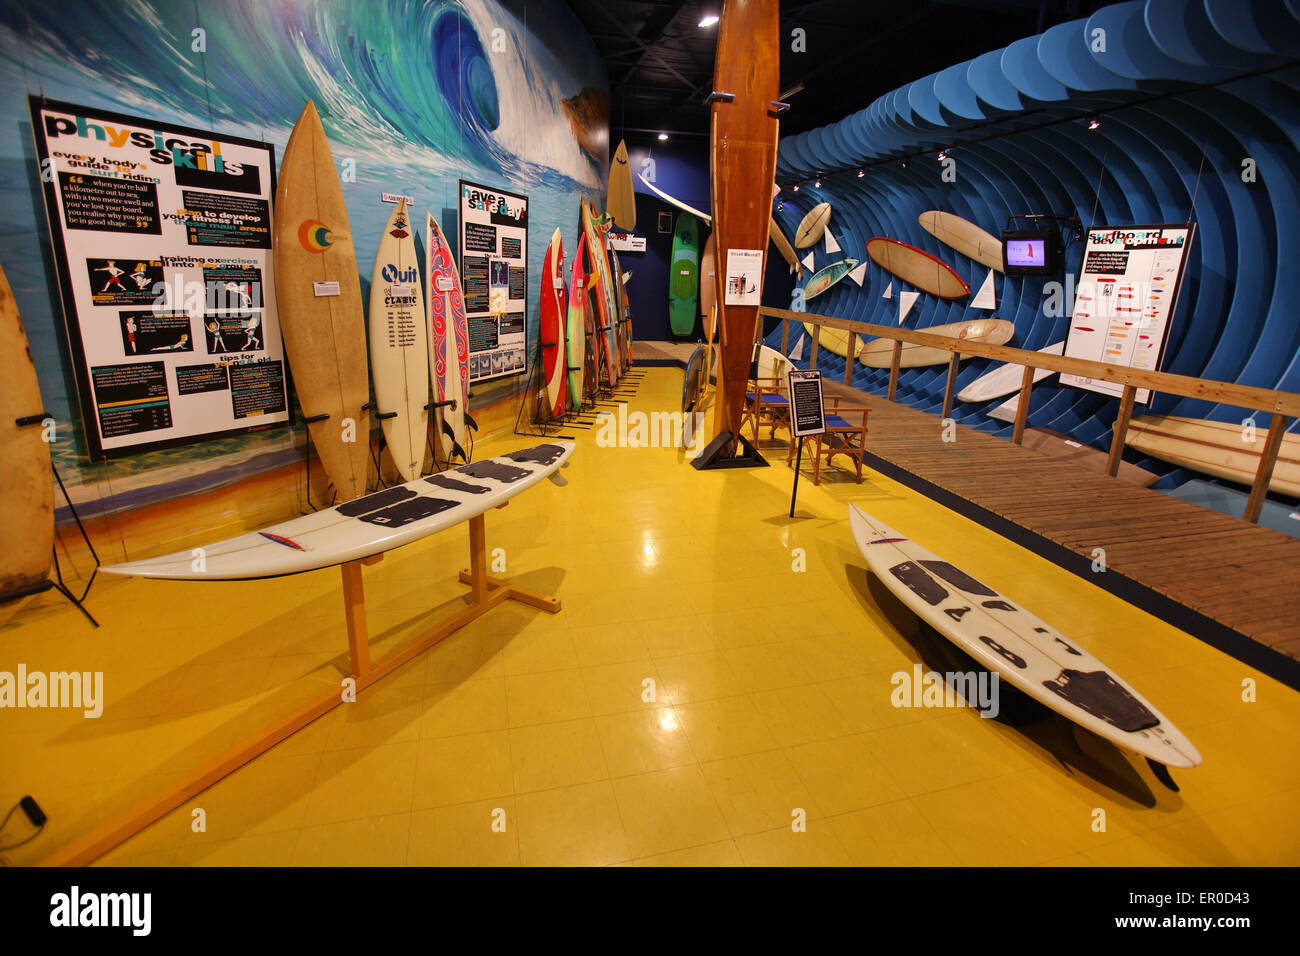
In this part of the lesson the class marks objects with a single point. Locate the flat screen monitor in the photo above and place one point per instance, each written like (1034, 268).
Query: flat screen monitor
(1031, 252)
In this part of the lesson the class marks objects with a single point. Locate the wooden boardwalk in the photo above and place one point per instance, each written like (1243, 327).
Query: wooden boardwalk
(1233, 584)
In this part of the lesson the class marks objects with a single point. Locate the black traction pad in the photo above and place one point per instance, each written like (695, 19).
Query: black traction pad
(369, 503)
(494, 470)
(451, 484)
(1102, 696)
(541, 454)
(959, 578)
(921, 584)
(411, 510)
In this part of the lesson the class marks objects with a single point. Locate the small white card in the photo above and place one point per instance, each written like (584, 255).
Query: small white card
(320, 289)
(559, 283)
(744, 276)
(396, 197)
(445, 284)
(400, 288)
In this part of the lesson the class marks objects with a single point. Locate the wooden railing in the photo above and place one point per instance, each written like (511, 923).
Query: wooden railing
(1282, 406)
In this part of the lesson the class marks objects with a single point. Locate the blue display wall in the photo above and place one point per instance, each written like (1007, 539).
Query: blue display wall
(1199, 109)
(415, 95)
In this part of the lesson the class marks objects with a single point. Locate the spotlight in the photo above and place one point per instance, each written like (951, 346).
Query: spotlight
(942, 155)
(904, 162)
(1094, 122)
(794, 188)
(663, 137)
(817, 184)
(863, 172)
(780, 204)
(708, 20)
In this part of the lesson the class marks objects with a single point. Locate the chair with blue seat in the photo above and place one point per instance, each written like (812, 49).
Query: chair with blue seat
(846, 434)
(766, 403)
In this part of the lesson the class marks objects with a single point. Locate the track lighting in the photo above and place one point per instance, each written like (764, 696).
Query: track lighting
(863, 172)
(708, 20)
(1094, 122)
(663, 137)
(942, 155)
(794, 188)
(817, 184)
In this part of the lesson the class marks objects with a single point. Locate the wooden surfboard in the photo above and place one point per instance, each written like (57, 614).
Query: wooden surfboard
(551, 324)
(399, 348)
(318, 294)
(575, 325)
(708, 287)
(448, 332)
(879, 353)
(834, 340)
(684, 276)
(1021, 649)
(370, 525)
(620, 200)
(966, 237)
(783, 246)
(27, 531)
(917, 267)
(1005, 378)
(827, 277)
(813, 225)
(1215, 448)
(742, 168)
(621, 279)
(604, 292)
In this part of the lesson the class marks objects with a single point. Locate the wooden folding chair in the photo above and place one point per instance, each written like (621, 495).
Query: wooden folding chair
(766, 403)
(844, 435)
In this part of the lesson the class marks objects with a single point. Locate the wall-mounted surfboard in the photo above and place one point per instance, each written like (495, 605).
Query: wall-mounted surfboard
(575, 325)
(813, 225)
(832, 274)
(620, 201)
(1021, 649)
(917, 267)
(26, 483)
(879, 353)
(833, 340)
(358, 529)
(448, 331)
(684, 276)
(621, 279)
(551, 324)
(674, 201)
(318, 295)
(399, 347)
(783, 246)
(966, 237)
(604, 292)
(1215, 448)
(1005, 378)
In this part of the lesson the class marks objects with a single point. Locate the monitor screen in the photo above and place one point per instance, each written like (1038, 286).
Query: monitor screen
(1026, 253)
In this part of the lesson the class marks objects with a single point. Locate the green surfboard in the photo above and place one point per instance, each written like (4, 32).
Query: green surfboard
(684, 276)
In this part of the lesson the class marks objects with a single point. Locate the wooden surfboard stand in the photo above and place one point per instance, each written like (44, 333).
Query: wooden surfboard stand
(486, 592)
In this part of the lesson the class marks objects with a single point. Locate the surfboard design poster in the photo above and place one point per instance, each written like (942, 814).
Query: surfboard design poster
(162, 235)
(494, 278)
(1127, 293)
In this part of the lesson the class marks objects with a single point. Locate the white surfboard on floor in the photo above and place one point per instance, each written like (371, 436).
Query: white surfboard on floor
(1023, 650)
(363, 526)
(1005, 379)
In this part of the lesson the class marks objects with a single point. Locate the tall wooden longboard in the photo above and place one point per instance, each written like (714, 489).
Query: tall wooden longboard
(606, 311)
(620, 200)
(917, 267)
(27, 531)
(575, 326)
(318, 295)
(551, 324)
(1215, 448)
(448, 332)
(743, 132)
(399, 348)
(684, 276)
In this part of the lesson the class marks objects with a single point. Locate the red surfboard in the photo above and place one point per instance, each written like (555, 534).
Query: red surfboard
(917, 267)
(552, 324)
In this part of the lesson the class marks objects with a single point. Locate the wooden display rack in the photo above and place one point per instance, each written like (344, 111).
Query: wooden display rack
(486, 593)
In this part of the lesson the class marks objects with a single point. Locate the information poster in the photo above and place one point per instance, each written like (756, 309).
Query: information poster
(494, 278)
(162, 236)
(1127, 293)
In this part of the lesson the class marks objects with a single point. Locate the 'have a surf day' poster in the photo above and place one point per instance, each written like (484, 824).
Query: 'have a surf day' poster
(163, 241)
(494, 276)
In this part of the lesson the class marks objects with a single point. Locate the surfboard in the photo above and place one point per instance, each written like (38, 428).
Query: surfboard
(448, 332)
(966, 237)
(1005, 378)
(620, 201)
(813, 225)
(604, 292)
(367, 526)
(1026, 652)
(1215, 448)
(917, 267)
(827, 277)
(318, 295)
(691, 379)
(879, 353)
(576, 325)
(551, 324)
(399, 348)
(621, 280)
(684, 276)
(783, 246)
(674, 201)
(834, 340)
(708, 285)
(772, 364)
(742, 169)
(26, 481)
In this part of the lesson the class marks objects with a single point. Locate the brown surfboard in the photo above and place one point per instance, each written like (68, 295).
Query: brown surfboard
(26, 484)
(318, 293)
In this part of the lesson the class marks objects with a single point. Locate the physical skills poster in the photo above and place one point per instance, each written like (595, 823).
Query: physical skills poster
(494, 278)
(1128, 289)
(162, 235)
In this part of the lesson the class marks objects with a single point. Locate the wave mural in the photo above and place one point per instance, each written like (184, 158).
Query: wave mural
(1198, 105)
(413, 96)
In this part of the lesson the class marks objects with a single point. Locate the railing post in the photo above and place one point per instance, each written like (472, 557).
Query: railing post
(1264, 474)
(1022, 410)
(785, 336)
(893, 369)
(816, 341)
(1121, 430)
(953, 360)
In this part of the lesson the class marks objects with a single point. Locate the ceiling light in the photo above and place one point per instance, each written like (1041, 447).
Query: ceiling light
(942, 156)
(794, 188)
(780, 204)
(861, 173)
(663, 137)
(1094, 122)
(817, 184)
(708, 20)
(904, 162)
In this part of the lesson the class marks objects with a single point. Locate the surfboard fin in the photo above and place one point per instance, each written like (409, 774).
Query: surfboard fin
(469, 420)
(557, 478)
(1162, 774)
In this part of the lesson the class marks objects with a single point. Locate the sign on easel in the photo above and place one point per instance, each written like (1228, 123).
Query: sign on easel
(807, 415)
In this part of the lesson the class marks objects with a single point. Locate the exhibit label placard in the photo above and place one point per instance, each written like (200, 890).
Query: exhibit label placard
(162, 239)
(744, 277)
(1127, 293)
(807, 414)
(494, 278)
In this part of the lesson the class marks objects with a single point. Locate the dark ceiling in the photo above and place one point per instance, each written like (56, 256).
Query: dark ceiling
(660, 61)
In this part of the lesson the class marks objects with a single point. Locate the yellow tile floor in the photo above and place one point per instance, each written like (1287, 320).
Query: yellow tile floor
(694, 698)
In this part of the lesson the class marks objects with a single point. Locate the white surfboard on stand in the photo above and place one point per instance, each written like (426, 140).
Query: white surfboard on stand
(1021, 649)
